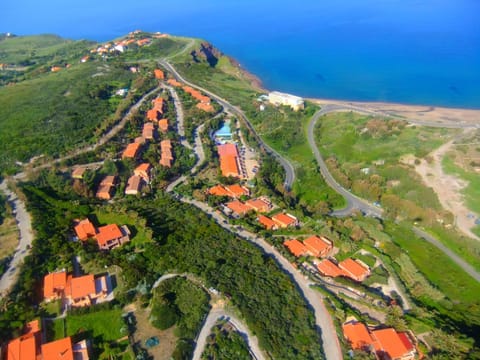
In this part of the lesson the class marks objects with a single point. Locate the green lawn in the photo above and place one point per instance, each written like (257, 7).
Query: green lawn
(104, 325)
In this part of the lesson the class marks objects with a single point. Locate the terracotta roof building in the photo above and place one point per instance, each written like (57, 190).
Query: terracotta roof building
(174, 82)
(318, 246)
(205, 107)
(132, 151)
(163, 125)
(154, 115)
(159, 74)
(134, 185)
(84, 229)
(284, 220)
(358, 336)
(267, 223)
(228, 160)
(58, 350)
(144, 171)
(295, 247)
(78, 172)
(233, 191)
(354, 269)
(106, 188)
(148, 131)
(238, 208)
(111, 236)
(27, 346)
(328, 268)
(54, 285)
(259, 205)
(392, 345)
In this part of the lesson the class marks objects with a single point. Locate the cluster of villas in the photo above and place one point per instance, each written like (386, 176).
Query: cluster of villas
(384, 343)
(321, 247)
(204, 102)
(133, 38)
(31, 345)
(238, 209)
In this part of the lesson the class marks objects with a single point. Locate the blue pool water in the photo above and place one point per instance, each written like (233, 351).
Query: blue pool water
(409, 51)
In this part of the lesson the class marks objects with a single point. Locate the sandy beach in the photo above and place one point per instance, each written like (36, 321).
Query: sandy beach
(440, 116)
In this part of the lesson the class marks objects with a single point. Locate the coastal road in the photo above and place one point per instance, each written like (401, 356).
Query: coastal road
(288, 167)
(24, 224)
(356, 203)
(353, 202)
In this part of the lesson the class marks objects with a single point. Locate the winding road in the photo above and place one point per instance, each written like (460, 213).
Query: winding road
(289, 169)
(356, 203)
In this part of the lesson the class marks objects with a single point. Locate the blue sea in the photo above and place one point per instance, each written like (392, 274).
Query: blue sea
(407, 51)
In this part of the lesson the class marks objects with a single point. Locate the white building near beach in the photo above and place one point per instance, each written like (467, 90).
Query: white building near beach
(278, 98)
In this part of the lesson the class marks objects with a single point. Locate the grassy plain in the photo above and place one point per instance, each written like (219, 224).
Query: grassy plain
(104, 325)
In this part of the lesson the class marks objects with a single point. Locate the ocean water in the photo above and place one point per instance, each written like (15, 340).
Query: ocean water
(407, 51)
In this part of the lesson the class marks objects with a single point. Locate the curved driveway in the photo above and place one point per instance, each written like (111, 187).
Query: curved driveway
(289, 170)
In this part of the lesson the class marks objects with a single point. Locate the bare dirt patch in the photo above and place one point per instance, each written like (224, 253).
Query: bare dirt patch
(145, 330)
(448, 188)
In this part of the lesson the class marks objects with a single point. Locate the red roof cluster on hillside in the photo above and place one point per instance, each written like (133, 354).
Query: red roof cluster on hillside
(233, 191)
(318, 246)
(228, 160)
(386, 343)
(350, 268)
(107, 237)
(296, 247)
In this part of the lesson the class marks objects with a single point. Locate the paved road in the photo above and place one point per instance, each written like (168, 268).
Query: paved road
(24, 224)
(180, 117)
(219, 313)
(356, 203)
(289, 169)
(353, 202)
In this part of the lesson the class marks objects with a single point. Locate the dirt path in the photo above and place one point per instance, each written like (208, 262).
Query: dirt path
(448, 189)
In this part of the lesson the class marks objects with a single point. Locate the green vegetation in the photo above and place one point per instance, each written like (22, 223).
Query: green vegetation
(225, 343)
(103, 325)
(179, 302)
(472, 191)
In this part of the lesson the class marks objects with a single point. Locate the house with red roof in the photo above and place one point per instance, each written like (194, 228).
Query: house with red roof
(106, 188)
(233, 191)
(318, 246)
(144, 171)
(259, 205)
(159, 75)
(84, 229)
(174, 82)
(238, 208)
(354, 269)
(328, 268)
(284, 220)
(134, 185)
(154, 115)
(229, 160)
(296, 247)
(78, 172)
(207, 107)
(111, 236)
(148, 131)
(387, 344)
(267, 223)
(27, 346)
(132, 151)
(163, 125)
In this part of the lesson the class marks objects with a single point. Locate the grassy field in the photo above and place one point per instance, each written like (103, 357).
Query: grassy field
(104, 325)
(472, 191)
(56, 112)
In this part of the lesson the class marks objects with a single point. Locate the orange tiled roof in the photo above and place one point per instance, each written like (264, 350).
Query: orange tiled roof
(219, 190)
(158, 103)
(82, 286)
(166, 162)
(268, 223)
(390, 343)
(174, 82)
(166, 144)
(22, 348)
(357, 334)
(104, 192)
(153, 115)
(295, 247)
(258, 205)
(58, 350)
(238, 207)
(205, 107)
(85, 229)
(284, 219)
(237, 190)
(107, 233)
(131, 151)
(317, 246)
(328, 268)
(229, 166)
(159, 74)
(53, 283)
(143, 167)
(227, 150)
(78, 172)
(353, 269)
(163, 125)
(109, 180)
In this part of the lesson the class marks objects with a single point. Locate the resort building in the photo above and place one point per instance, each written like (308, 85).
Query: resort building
(144, 171)
(111, 236)
(233, 191)
(134, 185)
(132, 151)
(148, 131)
(163, 125)
(278, 98)
(106, 188)
(353, 269)
(284, 220)
(159, 75)
(229, 160)
(238, 208)
(259, 205)
(318, 246)
(295, 247)
(267, 223)
(84, 230)
(78, 172)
